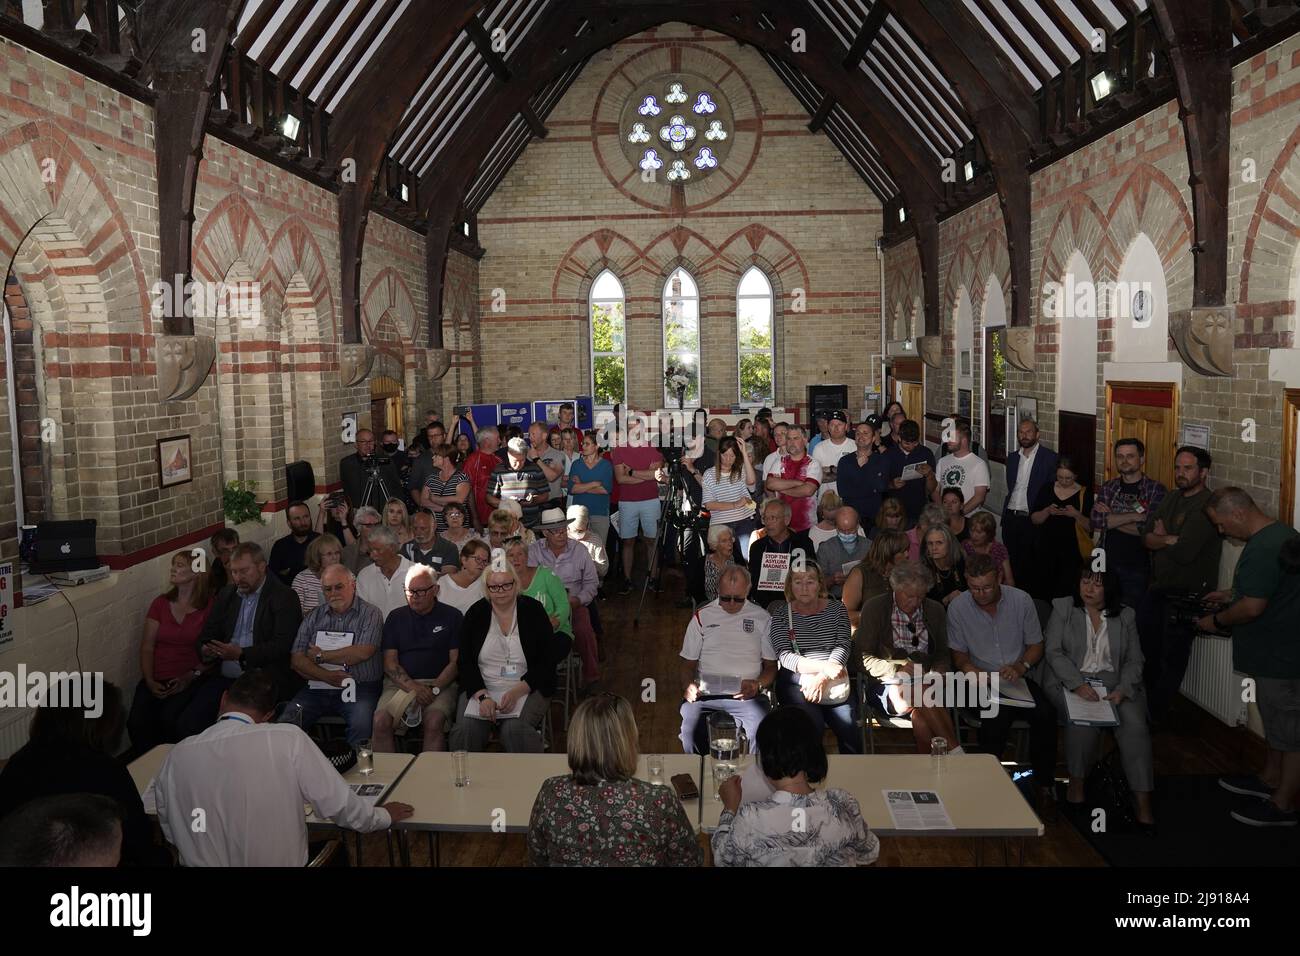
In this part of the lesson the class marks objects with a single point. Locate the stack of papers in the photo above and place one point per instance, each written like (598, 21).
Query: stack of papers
(1090, 713)
(1015, 693)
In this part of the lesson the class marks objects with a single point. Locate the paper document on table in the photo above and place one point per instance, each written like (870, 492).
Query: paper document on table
(1015, 693)
(911, 472)
(1090, 713)
(916, 810)
(150, 799)
(472, 708)
(330, 641)
(719, 685)
(369, 792)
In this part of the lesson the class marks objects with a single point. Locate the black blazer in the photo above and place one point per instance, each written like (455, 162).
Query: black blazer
(1043, 474)
(275, 626)
(352, 473)
(535, 634)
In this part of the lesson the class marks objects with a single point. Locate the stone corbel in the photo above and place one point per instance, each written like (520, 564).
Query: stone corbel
(355, 361)
(183, 364)
(931, 349)
(439, 363)
(1020, 347)
(1203, 337)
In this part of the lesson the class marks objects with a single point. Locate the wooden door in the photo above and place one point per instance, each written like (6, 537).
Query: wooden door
(913, 399)
(1148, 412)
(1290, 511)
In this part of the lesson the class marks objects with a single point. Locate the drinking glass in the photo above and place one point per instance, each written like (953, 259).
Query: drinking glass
(365, 758)
(655, 765)
(938, 751)
(289, 712)
(460, 768)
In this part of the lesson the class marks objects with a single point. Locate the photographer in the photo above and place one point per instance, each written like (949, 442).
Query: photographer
(355, 471)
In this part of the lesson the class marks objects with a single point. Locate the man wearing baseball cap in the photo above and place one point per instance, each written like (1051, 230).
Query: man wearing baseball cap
(832, 448)
(519, 479)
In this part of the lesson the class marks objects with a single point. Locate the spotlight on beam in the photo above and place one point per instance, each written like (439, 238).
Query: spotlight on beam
(969, 171)
(406, 193)
(902, 214)
(290, 126)
(1101, 86)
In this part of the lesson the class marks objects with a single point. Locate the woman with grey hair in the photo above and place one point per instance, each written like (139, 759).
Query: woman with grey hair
(721, 555)
(946, 561)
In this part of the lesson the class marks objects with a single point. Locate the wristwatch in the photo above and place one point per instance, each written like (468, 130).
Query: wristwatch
(436, 690)
(320, 658)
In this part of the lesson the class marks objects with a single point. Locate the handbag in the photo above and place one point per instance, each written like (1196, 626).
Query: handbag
(1084, 541)
(837, 690)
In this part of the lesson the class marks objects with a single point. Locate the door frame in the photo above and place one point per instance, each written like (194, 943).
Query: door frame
(1290, 416)
(1109, 461)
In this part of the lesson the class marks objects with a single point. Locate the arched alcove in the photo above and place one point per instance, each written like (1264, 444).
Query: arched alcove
(1138, 306)
(1075, 311)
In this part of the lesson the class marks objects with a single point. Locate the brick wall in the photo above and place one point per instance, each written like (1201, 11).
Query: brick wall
(783, 199)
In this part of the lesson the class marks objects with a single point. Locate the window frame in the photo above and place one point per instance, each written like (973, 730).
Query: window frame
(770, 351)
(663, 336)
(592, 354)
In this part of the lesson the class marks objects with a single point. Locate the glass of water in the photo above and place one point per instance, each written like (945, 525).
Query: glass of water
(460, 768)
(655, 765)
(365, 758)
(938, 751)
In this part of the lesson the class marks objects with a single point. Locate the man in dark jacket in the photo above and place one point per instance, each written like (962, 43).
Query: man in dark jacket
(355, 474)
(787, 548)
(1030, 469)
(253, 623)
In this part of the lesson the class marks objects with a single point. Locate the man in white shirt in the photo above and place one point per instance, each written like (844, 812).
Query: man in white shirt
(965, 470)
(832, 448)
(1029, 470)
(773, 461)
(246, 781)
(727, 660)
(579, 519)
(383, 583)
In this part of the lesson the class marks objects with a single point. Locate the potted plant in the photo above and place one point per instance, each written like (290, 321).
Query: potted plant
(240, 504)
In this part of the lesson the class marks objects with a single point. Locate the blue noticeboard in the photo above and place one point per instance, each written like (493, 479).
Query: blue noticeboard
(585, 407)
(548, 411)
(516, 413)
(483, 415)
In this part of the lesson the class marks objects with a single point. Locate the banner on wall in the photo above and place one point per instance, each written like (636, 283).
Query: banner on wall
(516, 413)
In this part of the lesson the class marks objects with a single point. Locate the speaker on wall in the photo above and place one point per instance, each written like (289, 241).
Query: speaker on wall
(301, 480)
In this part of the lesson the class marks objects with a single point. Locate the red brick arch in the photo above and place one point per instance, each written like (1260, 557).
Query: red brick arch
(293, 249)
(1267, 219)
(1080, 226)
(389, 297)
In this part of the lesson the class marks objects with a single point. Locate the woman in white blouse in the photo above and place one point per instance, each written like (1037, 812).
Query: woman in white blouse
(1093, 652)
(758, 832)
(458, 531)
(725, 492)
(463, 588)
(323, 551)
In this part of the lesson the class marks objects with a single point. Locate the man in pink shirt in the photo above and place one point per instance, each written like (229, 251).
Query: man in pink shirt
(797, 479)
(637, 471)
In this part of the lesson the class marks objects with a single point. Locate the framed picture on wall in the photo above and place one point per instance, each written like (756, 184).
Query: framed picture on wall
(965, 362)
(175, 461)
(1026, 407)
(963, 403)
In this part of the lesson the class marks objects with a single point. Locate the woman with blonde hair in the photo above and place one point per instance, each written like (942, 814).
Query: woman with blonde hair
(824, 529)
(600, 814)
(981, 527)
(321, 553)
(398, 520)
(871, 578)
(892, 516)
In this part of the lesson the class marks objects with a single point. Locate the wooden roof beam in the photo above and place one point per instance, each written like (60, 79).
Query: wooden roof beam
(866, 36)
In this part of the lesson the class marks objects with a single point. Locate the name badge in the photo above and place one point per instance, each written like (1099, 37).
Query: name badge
(510, 671)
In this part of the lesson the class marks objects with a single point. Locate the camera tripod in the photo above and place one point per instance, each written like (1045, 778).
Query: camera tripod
(373, 482)
(677, 515)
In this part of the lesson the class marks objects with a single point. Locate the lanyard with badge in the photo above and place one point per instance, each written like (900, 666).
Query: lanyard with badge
(510, 670)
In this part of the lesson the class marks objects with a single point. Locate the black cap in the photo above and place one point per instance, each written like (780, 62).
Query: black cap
(837, 416)
(875, 421)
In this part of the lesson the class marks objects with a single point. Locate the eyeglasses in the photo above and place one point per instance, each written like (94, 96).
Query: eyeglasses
(498, 588)
(731, 599)
(421, 592)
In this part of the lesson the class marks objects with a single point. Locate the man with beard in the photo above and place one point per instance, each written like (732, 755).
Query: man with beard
(1122, 509)
(1028, 471)
(797, 480)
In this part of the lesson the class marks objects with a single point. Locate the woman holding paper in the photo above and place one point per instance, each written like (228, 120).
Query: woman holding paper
(1093, 654)
(726, 495)
(507, 667)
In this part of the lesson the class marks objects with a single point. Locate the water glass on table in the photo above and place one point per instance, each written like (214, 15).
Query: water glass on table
(365, 758)
(938, 753)
(655, 767)
(460, 768)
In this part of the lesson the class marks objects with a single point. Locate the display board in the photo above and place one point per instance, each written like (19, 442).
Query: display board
(516, 413)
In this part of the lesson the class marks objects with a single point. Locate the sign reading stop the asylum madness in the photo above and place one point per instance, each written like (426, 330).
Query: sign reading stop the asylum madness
(771, 576)
(6, 606)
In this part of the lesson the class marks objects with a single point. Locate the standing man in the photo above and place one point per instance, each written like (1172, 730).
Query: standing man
(863, 477)
(355, 470)
(519, 479)
(551, 461)
(1029, 470)
(908, 452)
(479, 467)
(289, 554)
(638, 469)
(831, 449)
(223, 545)
(422, 465)
(963, 469)
(780, 432)
(796, 481)
(821, 422)
(1263, 620)
(1120, 511)
(1185, 549)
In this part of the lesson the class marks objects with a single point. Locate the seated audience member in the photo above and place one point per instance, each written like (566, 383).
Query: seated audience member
(709, 569)
(519, 479)
(251, 625)
(580, 531)
(506, 665)
(1265, 606)
(420, 646)
(902, 637)
(951, 500)
(591, 483)
(870, 578)
(777, 539)
(169, 658)
(905, 448)
(828, 506)
(946, 562)
(730, 669)
(355, 664)
(447, 484)
(69, 829)
(459, 530)
(758, 833)
(812, 639)
(506, 523)
(1093, 651)
(357, 554)
(844, 552)
(289, 554)
(571, 563)
(321, 553)
(430, 548)
(69, 752)
(543, 586)
(601, 814)
(890, 517)
(382, 583)
(397, 519)
(931, 516)
(725, 492)
(252, 778)
(995, 630)
(982, 529)
(335, 517)
(223, 545)
(463, 587)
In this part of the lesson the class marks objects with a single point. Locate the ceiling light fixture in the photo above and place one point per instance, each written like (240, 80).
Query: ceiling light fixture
(290, 126)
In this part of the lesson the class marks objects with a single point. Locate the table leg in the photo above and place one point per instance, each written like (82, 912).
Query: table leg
(357, 838)
(388, 839)
(435, 846)
(403, 848)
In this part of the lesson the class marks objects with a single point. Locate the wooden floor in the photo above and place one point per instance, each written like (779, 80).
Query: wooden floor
(649, 648)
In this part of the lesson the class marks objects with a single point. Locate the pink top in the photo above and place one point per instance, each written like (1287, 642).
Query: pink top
(176, 648)
(638, 458)
(997, 551)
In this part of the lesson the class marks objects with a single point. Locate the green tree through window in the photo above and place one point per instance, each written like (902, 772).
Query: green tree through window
(608, 341)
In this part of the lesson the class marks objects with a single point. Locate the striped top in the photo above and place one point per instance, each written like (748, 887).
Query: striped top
(821, 636)
(726, 489)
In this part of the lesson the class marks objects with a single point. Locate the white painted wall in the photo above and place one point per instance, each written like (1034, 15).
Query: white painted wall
(1076, 313)
(963, 341)
(1141, 269)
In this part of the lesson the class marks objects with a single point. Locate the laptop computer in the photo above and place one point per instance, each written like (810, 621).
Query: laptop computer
(64, 546)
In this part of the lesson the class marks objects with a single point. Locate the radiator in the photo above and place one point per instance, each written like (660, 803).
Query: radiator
(1211, 682)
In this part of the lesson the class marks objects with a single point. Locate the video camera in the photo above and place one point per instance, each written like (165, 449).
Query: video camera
(1184, 609)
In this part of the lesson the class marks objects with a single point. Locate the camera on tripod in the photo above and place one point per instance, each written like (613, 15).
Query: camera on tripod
(373, 463)
(1183, 610)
